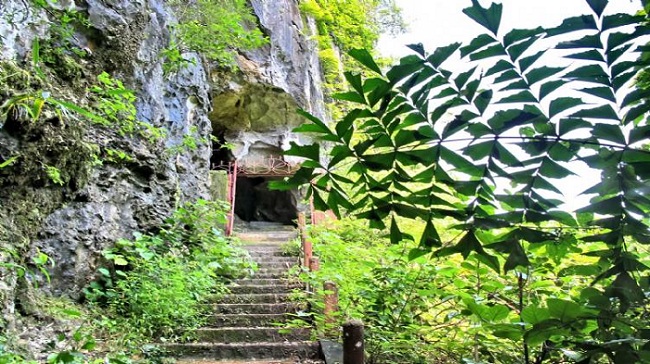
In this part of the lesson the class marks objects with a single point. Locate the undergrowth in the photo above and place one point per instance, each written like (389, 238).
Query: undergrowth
(157, 285)
(152, 288)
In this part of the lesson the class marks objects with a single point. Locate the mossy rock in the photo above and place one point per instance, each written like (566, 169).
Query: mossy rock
(255, 108)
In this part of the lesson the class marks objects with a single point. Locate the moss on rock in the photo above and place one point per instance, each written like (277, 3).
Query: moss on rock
(255, 107)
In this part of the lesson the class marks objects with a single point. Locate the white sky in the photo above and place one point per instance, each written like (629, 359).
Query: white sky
(436, 23)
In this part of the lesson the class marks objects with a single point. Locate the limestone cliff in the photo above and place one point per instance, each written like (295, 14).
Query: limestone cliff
(62, 190)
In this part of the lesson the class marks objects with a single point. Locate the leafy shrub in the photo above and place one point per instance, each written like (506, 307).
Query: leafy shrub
(373, 282)
(215, 28)
(291, 248)
(156, 285)
(487, 145)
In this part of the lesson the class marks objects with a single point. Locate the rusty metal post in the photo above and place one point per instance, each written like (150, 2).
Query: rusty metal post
(314, 264)
(307, 249)
(331, 303)
(232, 193)
(301, 227)
(353, 348)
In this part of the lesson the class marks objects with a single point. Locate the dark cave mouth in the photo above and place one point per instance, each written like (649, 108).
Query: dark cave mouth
(254, 201)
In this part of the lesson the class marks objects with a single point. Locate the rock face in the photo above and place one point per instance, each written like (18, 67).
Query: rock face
(253, 108)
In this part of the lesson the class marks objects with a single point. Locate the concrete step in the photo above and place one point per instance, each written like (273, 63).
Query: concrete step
(252, 350)
(272, 259)
(248, 361)
(263, 288)
(261, 254)
(253, 237)
(275, 266)
(254, 298)
(257, 308)
(254, 281)
(251, 320)
(277, 259)
(265, 226)
(270, 274)
(264, 270)
(250, 334)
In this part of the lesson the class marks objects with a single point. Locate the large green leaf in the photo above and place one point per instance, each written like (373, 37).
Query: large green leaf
(365, 58)
(461, 164)
(508, 119)
(430, 237)
(440, 55)
(613, 55)
(598, 6)
(600, 112)
(350, 96)
(549, 87)
(562, 104)
(462, 78)
(482, 101)
(477, 43)
(520, 97)
(605, 93)
(526, 62)
(489, 52)
(568, 125)
(609, 132)
(499, 67)
(408, 66)
(619, 39)
(517, 50)
(520, 35)
(534, 315)
(489, 18)
(588, 41)
(590, 55)
(478, 151)
(590, 73)
(490, 314)
(538, 74)
(354, 79)
(620, 20)
(563, 310)
(573, 24)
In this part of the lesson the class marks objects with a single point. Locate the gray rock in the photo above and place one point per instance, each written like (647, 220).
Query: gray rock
(119, 199)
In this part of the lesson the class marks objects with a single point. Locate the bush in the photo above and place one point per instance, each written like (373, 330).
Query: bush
(156, 285)
(216, 28)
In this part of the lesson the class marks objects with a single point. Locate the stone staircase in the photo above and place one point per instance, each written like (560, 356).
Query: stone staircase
(243, 327)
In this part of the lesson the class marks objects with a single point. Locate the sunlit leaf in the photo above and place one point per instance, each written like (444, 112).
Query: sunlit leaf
(489, 18)
(365, 58)
(440, 55)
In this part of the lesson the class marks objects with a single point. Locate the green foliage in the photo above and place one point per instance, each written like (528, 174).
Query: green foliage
(354, 24)
(215, 28)
(156, 285)
(54, 174)
(58, 50)
(291, 248)
(485, 146)
(347, 25)
(27, 271)
(379, 286)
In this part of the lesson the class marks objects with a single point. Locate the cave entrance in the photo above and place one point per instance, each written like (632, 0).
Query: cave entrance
(253, 200)
(256, 202)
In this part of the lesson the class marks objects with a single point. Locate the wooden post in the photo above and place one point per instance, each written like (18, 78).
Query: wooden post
(308, 251)
(353, 350)
(331, 303)
(314, 264)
